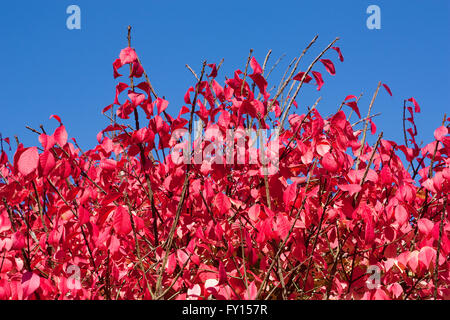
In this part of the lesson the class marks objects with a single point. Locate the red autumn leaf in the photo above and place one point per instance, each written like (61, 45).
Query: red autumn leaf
(282, 226)
(47, 141)
(416, 104)
(440, 133)
(350, 188)
(171, 263)
(251, 292)
(116, 65)
(387, 89)
(124, 110)
(401, 215)
(329, 162)
(222, 203)
(28, 161)
(161, 105)
(182, 257)
(5, 223)
(127, 55)
(373, 127)
(56, 117)
(137, 70)
(222, 273)
(299, 76)
(254, 211)
(30, 283)
(47, 162)
(354, 106)
(396, 290)
(213, 73)
(329, 66)
(427, 256)
(369, 235)
(338, 50)
(413, 260)
(107, 108)
(60, 136)
(255, 65)
(425, 226)
(18, 241)
(136, 98)
(318, 78)
(119, 88)
(121, 221)
(186, 96)
(257, 77)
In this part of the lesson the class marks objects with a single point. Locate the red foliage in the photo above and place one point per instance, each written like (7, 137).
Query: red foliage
(115, 223)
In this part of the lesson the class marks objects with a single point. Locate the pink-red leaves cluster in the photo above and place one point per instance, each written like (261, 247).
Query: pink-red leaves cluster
(134, 223)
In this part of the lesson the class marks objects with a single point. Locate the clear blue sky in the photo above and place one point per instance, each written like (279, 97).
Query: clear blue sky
(48, 69)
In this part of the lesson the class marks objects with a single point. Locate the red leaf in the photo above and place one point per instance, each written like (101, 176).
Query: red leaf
(56, 117)
(413, 260)
(107, 108)
(30, 283)
(171, 263)
(425, 226)
(440, 133)
(395, 289)
(283, 226)
(354, 106)
(387, 89)
(28, 161)
(329, 163)
(136, 98)
(186, 96)
(128, 55)
(47, 162)
(222, 273)
(60, 135)
(47, 141)
(137, 70)
(373, 127)
(255, 66)
(5, 223)
(416, 104)
(369, 235)
(401, 215)
(252, 291)
(427, 256)
(329, 66)
(161, 105)
(121, 221)
(350, 188)
(222, 203)
(299, 77)
(338, 50)
(116, 65)
(119, 88)
(124, 110)
(182, 257)
(83, 215)
(213, 73)
(319, 80)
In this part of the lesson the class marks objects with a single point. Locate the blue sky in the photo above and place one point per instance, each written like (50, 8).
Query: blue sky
(48, 69)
